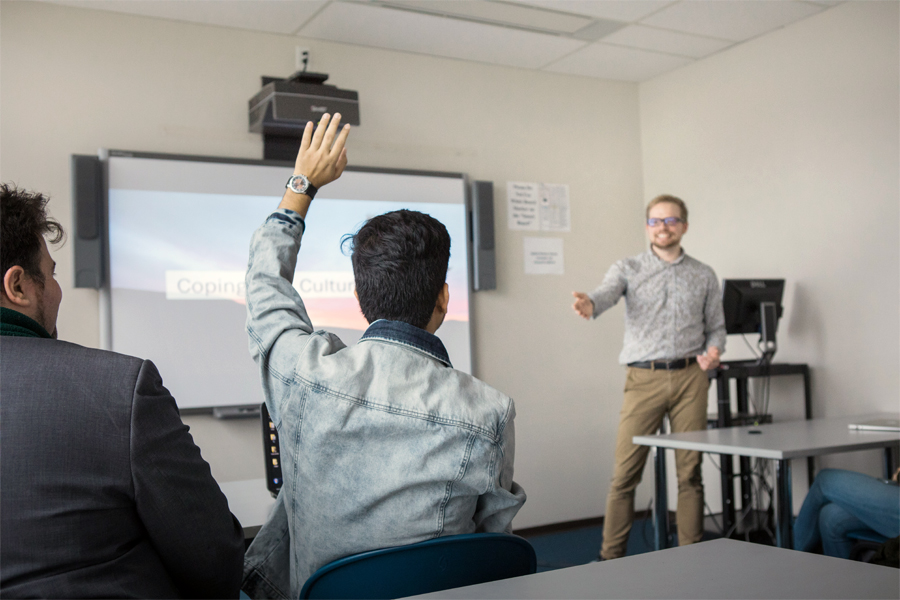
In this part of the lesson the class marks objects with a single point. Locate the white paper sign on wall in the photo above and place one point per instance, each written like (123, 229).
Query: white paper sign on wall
(554, 207)
(523, 201)
(544, 256)
(538, 206)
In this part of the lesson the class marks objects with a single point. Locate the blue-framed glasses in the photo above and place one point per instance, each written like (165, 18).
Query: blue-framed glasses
(670, 221)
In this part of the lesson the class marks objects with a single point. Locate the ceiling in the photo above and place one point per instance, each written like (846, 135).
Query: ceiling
(624, 40)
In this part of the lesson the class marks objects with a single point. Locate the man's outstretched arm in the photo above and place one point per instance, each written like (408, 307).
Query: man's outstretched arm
(277, 322)
(606, 295)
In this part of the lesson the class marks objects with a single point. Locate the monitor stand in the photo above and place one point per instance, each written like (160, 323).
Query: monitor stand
(768, 323)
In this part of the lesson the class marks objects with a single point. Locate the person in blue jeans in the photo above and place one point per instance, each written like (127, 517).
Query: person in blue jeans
(843, 501)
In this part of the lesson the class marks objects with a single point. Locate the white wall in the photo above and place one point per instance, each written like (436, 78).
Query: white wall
(786, 149)
(75, 80)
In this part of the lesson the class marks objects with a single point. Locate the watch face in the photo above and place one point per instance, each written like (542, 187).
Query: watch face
(298, 184)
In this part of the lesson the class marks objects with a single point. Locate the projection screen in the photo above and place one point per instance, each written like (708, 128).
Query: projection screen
(179, 230)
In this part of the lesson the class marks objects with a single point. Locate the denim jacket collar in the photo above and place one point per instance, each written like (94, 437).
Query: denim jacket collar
(398, 332)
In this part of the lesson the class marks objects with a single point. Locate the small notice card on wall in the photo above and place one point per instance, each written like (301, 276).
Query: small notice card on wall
(523, 199)
(538, 206)
(544, 256)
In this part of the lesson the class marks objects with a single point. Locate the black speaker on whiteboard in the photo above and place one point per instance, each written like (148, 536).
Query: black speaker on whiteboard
(87, 210)
(484, 266)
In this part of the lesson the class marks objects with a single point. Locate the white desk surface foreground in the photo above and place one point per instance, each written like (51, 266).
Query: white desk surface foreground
(716, 569)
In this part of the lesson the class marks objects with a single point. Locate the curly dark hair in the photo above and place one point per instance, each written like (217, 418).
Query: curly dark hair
(23, 222)
(400, 265)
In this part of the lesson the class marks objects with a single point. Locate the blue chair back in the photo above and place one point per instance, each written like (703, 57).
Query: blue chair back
(867, 535)
(429, 566)
(866, 544)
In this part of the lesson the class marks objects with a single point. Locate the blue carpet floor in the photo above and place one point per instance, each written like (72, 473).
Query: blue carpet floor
(581, 546)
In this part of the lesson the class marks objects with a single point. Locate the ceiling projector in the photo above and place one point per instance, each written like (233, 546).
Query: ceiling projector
(283, 106)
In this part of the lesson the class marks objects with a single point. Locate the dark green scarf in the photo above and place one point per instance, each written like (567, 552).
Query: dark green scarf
(14, 323)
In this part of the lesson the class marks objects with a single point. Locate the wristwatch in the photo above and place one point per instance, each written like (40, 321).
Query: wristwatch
(299, 184)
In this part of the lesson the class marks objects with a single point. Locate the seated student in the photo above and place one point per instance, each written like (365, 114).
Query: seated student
(843, 501)
(383, 443)
(104, 493)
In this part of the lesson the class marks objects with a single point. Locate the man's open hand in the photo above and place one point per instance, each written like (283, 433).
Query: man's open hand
(583, 306)
(322, 158)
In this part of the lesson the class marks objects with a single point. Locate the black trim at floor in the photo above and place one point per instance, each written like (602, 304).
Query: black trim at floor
(580, 523)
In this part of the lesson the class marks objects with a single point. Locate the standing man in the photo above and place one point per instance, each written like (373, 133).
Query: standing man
(104, 493)
(674, 333)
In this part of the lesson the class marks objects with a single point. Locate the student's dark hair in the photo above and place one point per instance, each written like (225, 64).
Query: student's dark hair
(400, 266)
(23, 221)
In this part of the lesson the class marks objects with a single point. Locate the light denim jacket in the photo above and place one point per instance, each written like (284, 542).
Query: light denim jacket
(382, 444)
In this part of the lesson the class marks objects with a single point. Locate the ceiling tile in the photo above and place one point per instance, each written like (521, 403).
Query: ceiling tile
(368, 25)
(284, 16)
(671, 32)
(618, 10)
(504, 13)
(735, 20)
(670, 42)
(615, 62)
(599, 28)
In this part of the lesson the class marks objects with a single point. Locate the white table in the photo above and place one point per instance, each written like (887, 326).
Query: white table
(250, 502)
(716, 569)
(780, 442)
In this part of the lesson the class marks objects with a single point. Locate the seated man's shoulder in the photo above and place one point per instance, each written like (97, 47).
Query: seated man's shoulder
(477, 400)
(85, 355)
(323, 343)
(488, 393)
(64, 367)
(59, 351)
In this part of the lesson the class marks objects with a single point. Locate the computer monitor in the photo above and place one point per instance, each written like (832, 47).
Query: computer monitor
(754, 306)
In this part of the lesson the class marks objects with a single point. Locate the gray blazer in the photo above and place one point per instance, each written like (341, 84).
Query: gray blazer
(103, 491)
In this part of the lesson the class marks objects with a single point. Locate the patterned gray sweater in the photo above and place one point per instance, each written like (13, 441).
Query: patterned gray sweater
(672, 310)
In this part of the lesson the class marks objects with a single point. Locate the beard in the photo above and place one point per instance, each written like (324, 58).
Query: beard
(672, 243)
(42, 316)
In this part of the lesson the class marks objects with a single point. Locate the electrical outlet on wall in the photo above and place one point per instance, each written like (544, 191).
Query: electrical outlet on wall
(302, 58)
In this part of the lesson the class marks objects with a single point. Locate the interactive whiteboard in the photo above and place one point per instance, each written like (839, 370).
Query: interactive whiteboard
(179, 231)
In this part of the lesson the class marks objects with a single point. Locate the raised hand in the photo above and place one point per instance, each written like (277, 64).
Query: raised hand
(322, 158)
(583, 306)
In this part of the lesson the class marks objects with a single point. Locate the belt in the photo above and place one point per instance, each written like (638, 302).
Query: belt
(666, 365)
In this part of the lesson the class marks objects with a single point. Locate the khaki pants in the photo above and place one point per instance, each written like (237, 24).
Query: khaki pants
(649, 395)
